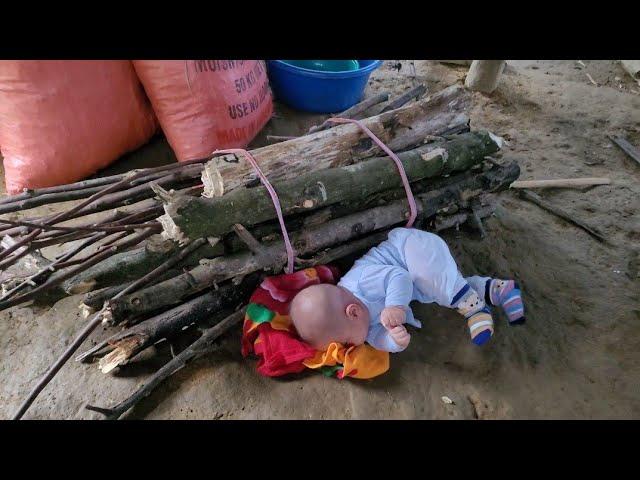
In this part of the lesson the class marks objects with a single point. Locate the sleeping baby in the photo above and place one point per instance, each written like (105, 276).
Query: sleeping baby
(371, 302)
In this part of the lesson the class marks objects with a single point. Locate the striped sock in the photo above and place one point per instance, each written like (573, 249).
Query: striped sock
(507, 294)
(478, 316)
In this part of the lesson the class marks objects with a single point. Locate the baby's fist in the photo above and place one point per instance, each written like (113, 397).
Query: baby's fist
(393, 317)
(401, 336)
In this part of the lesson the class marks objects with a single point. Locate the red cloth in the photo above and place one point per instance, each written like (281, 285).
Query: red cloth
(280, 353)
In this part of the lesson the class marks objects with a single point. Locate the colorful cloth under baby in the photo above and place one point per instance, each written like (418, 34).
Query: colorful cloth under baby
(269, 334)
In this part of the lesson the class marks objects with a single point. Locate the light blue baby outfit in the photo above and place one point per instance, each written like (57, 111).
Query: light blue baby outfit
(410, 265)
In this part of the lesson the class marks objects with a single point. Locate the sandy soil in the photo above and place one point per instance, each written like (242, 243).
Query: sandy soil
(577, 357)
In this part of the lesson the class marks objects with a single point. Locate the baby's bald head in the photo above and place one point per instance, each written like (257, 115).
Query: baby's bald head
(326, 313)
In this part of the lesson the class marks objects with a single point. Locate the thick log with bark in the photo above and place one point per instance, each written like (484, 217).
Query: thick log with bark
(310, 240)
(346, 144)
(133, 264)
(191, 217)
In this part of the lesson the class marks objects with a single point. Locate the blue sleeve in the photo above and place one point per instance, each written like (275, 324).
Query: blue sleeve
(380, 339)
(399, 288)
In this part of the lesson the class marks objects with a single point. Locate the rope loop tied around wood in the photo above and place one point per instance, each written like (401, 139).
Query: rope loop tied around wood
(274, 199)
(413, 209)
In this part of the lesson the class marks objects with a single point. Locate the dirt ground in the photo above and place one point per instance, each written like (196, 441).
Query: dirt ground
(578, 356)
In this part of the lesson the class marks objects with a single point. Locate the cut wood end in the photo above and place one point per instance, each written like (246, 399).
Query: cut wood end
(212, 180)
(82, 287)
(159, 244)
(86, 310)
(436, 152)
(171, 231)
(107, 315)
(497, 140)
(124, 350)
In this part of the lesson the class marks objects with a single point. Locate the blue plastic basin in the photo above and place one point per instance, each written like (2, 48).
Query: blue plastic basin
(319, 91)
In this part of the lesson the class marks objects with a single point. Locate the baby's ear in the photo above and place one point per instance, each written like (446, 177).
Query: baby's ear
(351, 310)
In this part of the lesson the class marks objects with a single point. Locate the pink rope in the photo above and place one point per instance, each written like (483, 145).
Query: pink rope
(405, 181)
(274, 199)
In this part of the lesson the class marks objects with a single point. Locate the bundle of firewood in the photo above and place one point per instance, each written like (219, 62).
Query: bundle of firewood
(157, 250)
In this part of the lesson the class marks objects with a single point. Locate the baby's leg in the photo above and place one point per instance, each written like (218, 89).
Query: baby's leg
(505, 293)
(435, 274)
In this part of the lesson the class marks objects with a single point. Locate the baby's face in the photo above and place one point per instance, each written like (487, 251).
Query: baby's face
(323, 314)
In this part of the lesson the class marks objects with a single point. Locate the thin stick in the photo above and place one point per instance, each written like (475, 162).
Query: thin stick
(65, 193)
(561, 183)
(534, 198)
(353, 111)
(51, 267)
(591, 79)
(249, 240)
(100, 249)
(278, 138)
(416, 92)
(626, 147)
(122, 228)
(134, 240)
(96, 320)
(125, 195)
(96, 182)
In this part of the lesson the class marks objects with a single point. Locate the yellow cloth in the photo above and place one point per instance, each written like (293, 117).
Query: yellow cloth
(362, 361)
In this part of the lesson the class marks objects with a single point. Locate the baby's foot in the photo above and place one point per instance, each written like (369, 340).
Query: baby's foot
(478, 316)
(507, 294)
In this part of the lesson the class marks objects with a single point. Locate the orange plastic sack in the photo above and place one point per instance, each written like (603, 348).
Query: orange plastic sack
(61, 121)
(204, 105)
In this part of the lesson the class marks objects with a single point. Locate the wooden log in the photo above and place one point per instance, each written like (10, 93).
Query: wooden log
(94, 300)
(310, 240)
(132, 264)
(561, 183)
(347, 144)
(484, 75)
(190, 217)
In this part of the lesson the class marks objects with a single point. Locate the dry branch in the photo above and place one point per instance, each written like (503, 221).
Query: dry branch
(204, 345)
(534, 198)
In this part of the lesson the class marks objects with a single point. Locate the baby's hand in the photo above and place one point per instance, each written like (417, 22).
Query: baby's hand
(393, 317)
(400, 335)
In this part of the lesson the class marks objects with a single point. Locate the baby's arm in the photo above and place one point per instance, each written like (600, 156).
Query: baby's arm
(394, 340)
(399, 290)
(391, 335)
